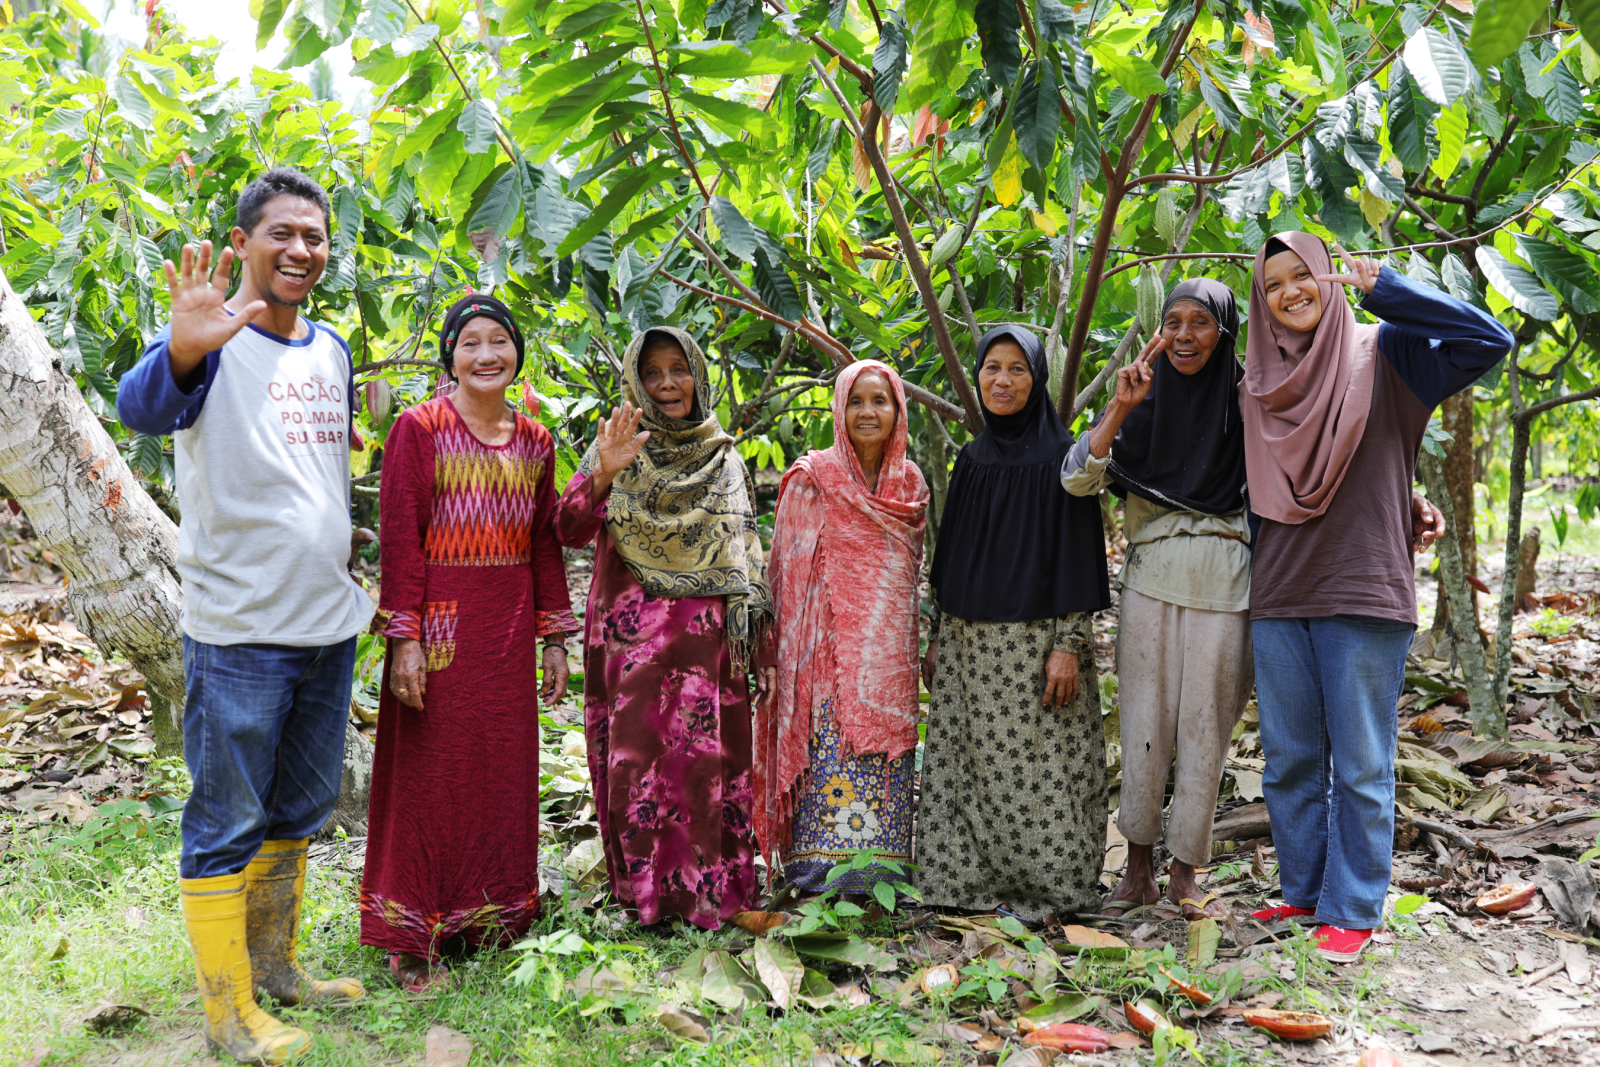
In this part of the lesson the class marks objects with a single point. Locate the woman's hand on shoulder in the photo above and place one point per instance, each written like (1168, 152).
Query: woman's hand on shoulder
(1363, 272)
(1060, 679)
(408, 672)
(1427, 523)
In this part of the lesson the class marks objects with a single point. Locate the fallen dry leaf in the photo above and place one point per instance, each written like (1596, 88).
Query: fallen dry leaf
(853, 995)
(779, 969)
(1033, 1056)
(969, 1034)
(683, 1024)
(1126, 1039)
(108, 1017)
(446, 1048)
(1093, 940)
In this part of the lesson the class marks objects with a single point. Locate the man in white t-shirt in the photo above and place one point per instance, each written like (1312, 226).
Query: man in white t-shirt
(259, 402)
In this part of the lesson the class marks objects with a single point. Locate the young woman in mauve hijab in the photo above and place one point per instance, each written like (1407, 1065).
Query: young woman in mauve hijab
(1334, 411)
(1171, 444)
(1013, 809)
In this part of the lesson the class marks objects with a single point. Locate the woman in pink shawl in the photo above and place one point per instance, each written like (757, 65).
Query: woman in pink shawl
(834, 750)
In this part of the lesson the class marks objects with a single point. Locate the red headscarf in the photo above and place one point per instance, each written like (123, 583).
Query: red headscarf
(844, 567)
(1305, 396)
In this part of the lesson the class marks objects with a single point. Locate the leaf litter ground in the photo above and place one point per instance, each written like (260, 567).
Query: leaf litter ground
(92, 943)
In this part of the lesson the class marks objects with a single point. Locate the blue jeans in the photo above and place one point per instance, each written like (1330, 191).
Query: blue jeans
(1328, 689)
(263, 735)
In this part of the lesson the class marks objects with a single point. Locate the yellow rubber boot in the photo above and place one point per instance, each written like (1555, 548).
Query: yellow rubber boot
(275, 882)
(214, 910)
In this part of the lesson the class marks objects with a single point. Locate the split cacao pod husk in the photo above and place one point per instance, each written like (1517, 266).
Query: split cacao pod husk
(1199, 996)
(1507, 898)
(1070, 1037)
(1289, 1025)
(1144, 1017)
(943, 976)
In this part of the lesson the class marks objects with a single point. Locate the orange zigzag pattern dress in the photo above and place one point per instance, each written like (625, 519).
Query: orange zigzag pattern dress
(471, 568)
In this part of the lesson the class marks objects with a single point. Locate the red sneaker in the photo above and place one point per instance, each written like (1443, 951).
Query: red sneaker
(1280, 913)
(1338, 945)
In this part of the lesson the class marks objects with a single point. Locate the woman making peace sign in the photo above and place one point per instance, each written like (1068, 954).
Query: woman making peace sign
(1171, 443)
(1334, 411)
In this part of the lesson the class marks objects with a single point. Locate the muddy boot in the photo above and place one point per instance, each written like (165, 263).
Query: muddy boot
(274, 883)
(214, 910)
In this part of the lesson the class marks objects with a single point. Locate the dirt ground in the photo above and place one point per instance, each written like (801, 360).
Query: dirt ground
(1445, 984)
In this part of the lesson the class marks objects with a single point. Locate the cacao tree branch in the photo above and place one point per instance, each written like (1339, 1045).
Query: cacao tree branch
(1520, 424)
(1248, 257)
(1293, 138)
(1427, 220)
(666, 97)
(399, 361)
(830, 347)
(861, 74)
(499, 136)
(1116, 190)
(919, 273)
(1443, 197)
(1125, 346)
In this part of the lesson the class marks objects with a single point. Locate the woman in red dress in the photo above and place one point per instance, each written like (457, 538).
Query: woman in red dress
(473, 582)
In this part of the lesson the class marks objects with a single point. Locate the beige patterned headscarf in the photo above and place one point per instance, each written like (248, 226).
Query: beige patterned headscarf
(682, 515)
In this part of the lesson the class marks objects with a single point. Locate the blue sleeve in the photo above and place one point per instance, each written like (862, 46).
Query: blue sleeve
(1440, 345)
(152, 402)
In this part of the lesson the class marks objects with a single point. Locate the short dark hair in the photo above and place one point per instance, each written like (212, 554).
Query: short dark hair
(280, 181)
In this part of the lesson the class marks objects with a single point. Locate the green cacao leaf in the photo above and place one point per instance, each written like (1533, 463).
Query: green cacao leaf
(1518, 285)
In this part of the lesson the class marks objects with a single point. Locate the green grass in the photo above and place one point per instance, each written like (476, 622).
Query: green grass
(126, 943)
(109, 892)
(1540, 509)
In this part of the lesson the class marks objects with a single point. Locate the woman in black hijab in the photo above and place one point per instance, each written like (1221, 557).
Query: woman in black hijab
(1171, 443)
(1012, 816)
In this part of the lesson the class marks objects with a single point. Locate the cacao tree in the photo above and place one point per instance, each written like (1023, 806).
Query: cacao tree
(806, 183)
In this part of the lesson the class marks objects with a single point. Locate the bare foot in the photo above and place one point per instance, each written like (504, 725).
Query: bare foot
(1138, 885)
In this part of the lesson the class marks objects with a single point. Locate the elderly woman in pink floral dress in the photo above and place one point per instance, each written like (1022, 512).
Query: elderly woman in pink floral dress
(678, 604)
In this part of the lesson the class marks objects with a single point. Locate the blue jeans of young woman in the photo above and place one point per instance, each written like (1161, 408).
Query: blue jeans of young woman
(1328, 689)
(263, 735)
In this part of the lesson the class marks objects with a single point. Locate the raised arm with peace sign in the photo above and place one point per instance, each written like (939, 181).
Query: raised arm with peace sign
(1363, 272)
(1133, 385)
